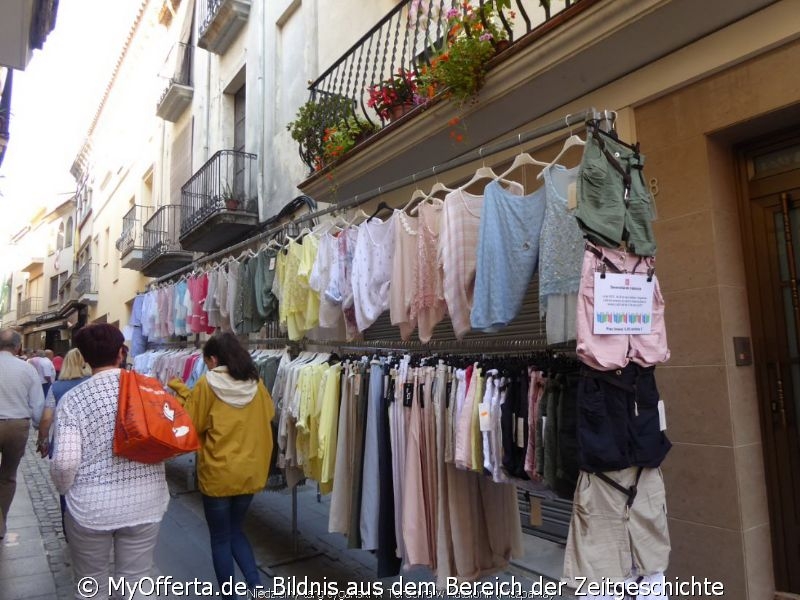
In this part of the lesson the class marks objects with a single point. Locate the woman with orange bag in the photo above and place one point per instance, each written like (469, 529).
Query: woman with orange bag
(231, 410)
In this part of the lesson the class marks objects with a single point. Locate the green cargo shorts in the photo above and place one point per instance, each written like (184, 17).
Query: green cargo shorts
(614, 205)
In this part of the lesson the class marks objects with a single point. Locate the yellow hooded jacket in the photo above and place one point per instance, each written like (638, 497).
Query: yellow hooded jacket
(232, 419)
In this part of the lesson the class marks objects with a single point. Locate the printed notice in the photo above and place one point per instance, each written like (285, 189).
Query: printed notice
(623, 304)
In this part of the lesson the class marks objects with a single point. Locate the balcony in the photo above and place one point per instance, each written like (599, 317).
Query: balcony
(163, 252)
(9, 317)
(177, 94)
(67, 291)
(33, 265)
(219, 202)
(560, 51)
(86, 287)
(29, 308)
(130, 242)
(220, 22)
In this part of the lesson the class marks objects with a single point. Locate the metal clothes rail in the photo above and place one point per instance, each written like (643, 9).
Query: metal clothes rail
(567, 122)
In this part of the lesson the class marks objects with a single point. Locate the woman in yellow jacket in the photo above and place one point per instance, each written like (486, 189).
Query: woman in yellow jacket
(232, 410)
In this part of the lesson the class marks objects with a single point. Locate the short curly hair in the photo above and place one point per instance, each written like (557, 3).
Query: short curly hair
(100, 343)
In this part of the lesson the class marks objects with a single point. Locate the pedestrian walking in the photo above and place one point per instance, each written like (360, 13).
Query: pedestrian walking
(44, 366)
(231, 410)
(112, 502)
(57, 360)
(21, 402)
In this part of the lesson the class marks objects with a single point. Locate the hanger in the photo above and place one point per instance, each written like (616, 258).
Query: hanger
(571, 141)
(381, 206)
(359, 214)
(439, 187)
(483, 172)
(520, 160)
(416, 196)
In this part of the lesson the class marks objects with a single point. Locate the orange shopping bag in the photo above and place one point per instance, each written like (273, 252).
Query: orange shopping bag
(151, 426)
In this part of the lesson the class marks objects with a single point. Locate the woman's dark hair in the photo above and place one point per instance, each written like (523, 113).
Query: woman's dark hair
(225, 347)
(99, 344)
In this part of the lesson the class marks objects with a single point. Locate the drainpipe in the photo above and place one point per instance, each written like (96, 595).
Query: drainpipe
(261, 99)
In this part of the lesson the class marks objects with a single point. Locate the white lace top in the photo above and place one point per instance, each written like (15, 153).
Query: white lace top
(103, 491)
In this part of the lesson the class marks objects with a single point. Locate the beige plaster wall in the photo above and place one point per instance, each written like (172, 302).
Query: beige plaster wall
(715, 474)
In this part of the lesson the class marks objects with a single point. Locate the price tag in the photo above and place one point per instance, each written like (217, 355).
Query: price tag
(408, 394)
(520, 432)
(572, 196)
(535, 512)
(483, 416)
(662, 416)
(272, 264)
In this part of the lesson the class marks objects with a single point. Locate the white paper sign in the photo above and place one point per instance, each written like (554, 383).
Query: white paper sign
(623, 304)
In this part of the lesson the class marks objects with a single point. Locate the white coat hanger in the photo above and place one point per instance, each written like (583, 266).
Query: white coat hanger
(571, 141)
(416, 196)
(520, 160)
(483, 172)
(439, 187)
(359, 215)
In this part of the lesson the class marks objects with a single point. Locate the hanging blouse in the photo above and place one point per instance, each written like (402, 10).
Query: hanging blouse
(428, 306)
(458, 253)
(210, 305)
(266, 303)
(507, 254)
(230, 301)
(404, 273)
(346, 249)
(181, 311)
(372, 270)
(330, 313)
(561, 241)
(308, 256)
(222, 298)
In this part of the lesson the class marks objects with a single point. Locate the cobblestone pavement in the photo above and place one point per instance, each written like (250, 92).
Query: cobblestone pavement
(44, 497)
(183, 550)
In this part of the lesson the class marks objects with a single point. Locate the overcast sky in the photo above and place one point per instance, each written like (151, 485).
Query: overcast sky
(53, 103)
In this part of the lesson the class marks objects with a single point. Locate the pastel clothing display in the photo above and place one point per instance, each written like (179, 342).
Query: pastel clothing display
(372, 270)
(560, 241)
(330, 312)
(428, 306)
(614, 535)
(507, 255)
(404, 273)
(608, 352)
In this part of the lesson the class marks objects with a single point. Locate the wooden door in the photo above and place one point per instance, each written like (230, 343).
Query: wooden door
(771, 178)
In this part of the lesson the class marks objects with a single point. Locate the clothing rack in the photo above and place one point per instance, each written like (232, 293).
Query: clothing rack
(600, 118)
(498, 347)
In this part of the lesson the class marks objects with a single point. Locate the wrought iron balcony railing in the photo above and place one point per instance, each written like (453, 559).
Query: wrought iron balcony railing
(220, 23)
(87, 279)
(177, 94)
(161, 232)
(227, 182)
(406, 39)
(29, 306)
(131, 236)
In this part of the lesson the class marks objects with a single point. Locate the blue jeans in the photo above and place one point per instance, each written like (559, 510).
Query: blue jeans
(224, 516)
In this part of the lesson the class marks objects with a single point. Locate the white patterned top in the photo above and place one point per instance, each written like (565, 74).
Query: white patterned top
(103, 491)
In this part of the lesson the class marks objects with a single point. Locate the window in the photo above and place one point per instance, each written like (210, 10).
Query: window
(68, 233)
(60, 236)
(54, 289)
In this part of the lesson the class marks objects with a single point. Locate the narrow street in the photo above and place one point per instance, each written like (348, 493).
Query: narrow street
(34, 556)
